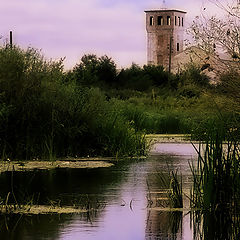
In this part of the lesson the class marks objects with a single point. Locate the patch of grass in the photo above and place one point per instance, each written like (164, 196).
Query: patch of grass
(172, 183)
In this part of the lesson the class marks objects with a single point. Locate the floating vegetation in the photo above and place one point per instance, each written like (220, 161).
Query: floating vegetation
(82, 204)
(31, 165)
(40, 209)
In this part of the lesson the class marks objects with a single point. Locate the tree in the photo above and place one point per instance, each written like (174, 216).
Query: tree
(219, 37)
(94, 71)
(106, 70)
(86, 70)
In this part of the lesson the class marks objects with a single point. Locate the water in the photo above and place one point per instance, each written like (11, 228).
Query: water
(119, 193)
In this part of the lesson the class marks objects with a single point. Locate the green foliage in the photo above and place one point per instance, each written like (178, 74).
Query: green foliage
(171, 182)
(216, 184)
(94, 71)
(216, 176)
(44, 113)
(193, 75)
(189, 91)
(142, 78)
(134, 78)
(157, 74)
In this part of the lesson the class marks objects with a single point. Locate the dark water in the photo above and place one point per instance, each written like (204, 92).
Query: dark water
(119, 194)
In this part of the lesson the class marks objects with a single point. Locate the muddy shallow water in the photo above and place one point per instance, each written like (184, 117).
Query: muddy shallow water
(117, 196)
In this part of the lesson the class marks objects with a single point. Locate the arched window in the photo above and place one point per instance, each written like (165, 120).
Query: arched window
(151, 21)
(160, 20)
(178, 49)
(168, 20)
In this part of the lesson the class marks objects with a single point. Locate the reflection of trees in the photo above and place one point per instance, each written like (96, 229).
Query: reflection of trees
(82, 188)
(22, 227)
(163, 224)
(61, 184)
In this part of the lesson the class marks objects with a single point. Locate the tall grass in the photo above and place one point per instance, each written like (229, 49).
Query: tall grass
(172, 182)
(216, 177)
(215, 193)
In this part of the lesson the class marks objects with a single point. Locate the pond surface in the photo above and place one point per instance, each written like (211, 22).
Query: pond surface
(119, 194)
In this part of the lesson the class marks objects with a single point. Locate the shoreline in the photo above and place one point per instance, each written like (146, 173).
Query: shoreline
(167, 138)
(88, 162)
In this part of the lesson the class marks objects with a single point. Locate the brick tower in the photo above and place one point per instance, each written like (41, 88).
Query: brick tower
(165, 30)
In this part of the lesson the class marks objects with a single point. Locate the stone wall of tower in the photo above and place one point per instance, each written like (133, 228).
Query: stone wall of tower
(165, 28)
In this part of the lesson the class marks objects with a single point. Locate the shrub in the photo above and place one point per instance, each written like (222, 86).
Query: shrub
(44, 113)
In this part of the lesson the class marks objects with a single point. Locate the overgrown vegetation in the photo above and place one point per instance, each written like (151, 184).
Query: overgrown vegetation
(43, 114)
(172, 183)
(216, 186)
(96, 109)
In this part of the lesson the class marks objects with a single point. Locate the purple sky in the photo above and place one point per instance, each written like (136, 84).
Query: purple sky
(71, 28)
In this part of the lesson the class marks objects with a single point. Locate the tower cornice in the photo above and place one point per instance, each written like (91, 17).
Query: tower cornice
(165, 10)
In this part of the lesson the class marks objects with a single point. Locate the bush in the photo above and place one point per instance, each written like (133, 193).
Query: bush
(94, 71)
(193, 75)
(44, 113)
(189, 91)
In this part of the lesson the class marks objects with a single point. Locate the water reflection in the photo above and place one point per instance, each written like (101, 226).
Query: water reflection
(218, 225)
(164, 225)
(122, 189)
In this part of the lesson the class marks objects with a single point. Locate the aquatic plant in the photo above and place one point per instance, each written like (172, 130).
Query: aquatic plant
(172, 182)
(175, 192)
(215, 192)
(216, 177)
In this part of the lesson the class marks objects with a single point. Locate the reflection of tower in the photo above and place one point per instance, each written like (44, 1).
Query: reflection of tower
(165, 30)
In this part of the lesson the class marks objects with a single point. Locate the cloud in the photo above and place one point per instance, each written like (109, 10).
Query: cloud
(72, 28)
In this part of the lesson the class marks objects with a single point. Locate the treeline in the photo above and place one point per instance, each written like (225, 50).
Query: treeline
(102, 72)
(95, 109)
(45, 115)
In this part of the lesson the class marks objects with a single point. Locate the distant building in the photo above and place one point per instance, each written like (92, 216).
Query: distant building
(165, 31)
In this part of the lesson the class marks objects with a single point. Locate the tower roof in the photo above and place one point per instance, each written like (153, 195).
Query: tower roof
(165, 10)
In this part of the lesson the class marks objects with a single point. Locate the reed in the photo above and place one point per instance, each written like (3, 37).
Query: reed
(172, 182)
(216, 177)
(215, 192)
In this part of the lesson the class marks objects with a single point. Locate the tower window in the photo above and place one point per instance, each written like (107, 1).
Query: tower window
(175, 20)
(182, 21)
(178, 47)
(151, 21)
(168, 20)
(160, 20)
(179, 22)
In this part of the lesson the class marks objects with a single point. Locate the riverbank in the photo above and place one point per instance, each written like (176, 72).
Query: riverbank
(168, 138)
(87, 162)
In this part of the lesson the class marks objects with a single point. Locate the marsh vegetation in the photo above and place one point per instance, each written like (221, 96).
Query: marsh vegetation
(95, 109)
